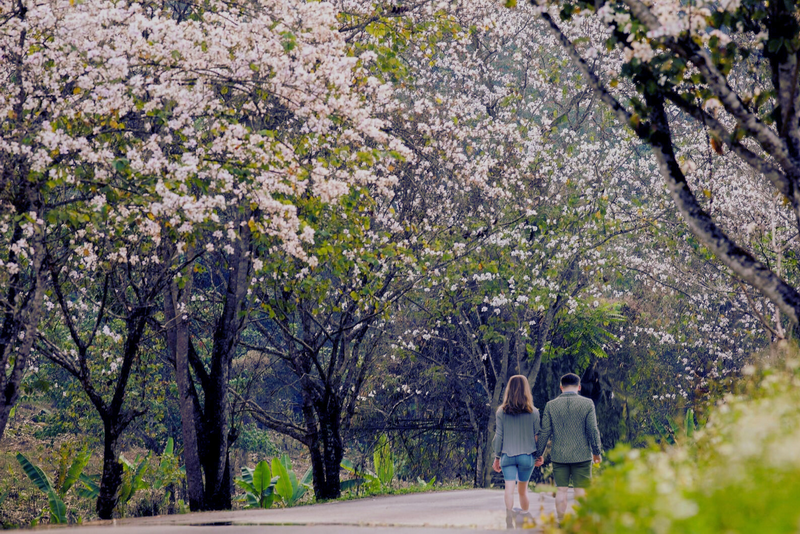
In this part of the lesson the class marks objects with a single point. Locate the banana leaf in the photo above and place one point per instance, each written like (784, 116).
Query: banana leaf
(58, 510)
(308, 477)
(75, 470)
(346, 485)
(90, 488)
(37, 476)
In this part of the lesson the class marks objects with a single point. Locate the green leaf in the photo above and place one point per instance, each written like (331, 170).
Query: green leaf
(58, 510)
(90, 488)
(346, 485)
(75, 470)
(247, 475)
(383, 459)
(36, 475)
(263, 484)
(169, 447)
(689, 423)
(308, 477)
(284, 487)
(246, 486)
(121, 164)
(262, 477)
(347, 465)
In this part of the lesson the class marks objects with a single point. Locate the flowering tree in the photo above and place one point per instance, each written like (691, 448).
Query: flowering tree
(513, 154)
(98, 317)
(726, 66)
(184, 131)
(305, 134)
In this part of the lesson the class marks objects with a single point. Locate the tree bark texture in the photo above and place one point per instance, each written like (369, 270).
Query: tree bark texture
(218, 435)
(178, 341)
(112, 472)
(23, 301)
(326, 449)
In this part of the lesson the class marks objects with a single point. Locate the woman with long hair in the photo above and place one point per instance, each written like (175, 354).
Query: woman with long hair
(515, 442)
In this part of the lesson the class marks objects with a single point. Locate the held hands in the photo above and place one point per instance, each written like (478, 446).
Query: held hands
(596, 459)
(539, 461)
(496, 465)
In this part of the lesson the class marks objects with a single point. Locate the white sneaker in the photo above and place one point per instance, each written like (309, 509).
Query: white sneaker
(510, 518)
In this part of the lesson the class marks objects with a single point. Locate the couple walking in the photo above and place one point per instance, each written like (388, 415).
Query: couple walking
(520, 441)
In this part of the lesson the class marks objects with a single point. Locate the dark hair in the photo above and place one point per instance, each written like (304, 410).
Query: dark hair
(570, 379)
(518, 397)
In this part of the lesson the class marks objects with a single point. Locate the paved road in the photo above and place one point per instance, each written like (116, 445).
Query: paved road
(420, 513)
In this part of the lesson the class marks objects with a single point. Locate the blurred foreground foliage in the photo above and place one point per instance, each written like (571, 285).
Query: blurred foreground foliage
(739, 473)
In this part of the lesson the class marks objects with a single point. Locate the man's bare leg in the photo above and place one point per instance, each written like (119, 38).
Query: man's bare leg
(561, 502)
(579, 493)
(523, 496)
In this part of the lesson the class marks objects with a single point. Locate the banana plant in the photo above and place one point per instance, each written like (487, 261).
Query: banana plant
(383, 459)
(258, 485)
(689, 424)
(426, 485)
(361, 478)
(90, 488)
(669, 434)
(55, 493)
(287, 487)
(132, 478)
(169, 471)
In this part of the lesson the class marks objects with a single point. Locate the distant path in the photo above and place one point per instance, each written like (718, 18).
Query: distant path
(429, 513)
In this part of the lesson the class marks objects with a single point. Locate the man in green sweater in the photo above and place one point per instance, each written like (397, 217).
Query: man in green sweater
(570, 421)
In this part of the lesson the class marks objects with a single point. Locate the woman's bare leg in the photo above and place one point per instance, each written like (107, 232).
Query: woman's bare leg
(509, 494)
(523, 496)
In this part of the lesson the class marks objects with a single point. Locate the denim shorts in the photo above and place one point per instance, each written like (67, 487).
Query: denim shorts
(517, 468)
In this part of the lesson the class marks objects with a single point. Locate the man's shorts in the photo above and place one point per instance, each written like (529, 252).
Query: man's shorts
(517, 468)
(580, 473)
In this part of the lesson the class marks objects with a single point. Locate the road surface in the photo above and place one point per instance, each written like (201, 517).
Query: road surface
(441, 512)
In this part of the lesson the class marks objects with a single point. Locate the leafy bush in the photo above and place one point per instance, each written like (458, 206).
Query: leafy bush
(740, 473)
(360, 479)
(253, 439)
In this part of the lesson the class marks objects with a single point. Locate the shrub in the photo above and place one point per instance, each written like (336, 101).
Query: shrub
(740, 473)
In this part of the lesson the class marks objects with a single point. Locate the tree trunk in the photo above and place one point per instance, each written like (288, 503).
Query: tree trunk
(178, 340)
(112, 471)
(217, 418)
(217, 421)
(318, 468)
(325, 448)
(488, 451)
(115, 421)
(334, 451)
(545, 330)
(23, 321)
